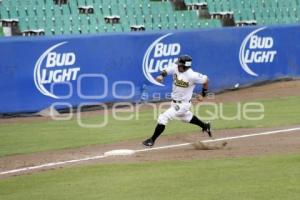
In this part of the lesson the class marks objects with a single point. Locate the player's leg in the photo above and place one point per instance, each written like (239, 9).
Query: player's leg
(190, 118)
(159, 129)
(204, 125)
(196, 121)
(162, 121)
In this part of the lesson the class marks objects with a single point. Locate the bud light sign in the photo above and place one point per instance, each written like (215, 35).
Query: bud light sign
(78, 70)
(256, 49)
(54, 66)
(159, 55)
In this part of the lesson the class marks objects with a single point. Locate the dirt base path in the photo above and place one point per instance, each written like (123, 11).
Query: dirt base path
(260, 145)
(250, 146)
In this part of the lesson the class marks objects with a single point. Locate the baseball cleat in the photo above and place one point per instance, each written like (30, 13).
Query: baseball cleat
(207, 129)
(148, 143)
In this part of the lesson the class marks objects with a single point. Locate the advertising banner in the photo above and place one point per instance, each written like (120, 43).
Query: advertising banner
(36, 72)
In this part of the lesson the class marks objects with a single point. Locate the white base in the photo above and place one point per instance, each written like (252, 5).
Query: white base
(119, 152)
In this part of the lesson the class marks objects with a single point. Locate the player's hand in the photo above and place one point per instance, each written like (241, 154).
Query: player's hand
(159, 78)
(199, 98)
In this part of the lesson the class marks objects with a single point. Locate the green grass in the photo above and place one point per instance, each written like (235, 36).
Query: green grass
(275, 177)
(28, 137)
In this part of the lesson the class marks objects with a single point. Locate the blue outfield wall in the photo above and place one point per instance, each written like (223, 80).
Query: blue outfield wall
(36, 72)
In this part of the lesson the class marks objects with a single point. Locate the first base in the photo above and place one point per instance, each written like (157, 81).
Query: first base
(119, 152)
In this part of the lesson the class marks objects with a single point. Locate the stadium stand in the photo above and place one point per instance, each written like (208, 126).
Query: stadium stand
(58, 17)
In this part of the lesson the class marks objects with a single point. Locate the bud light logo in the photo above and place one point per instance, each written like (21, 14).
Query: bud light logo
(256, 49)
(159, 56)
(54, 66)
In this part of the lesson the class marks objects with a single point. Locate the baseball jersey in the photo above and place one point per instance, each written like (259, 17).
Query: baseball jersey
(184, 83)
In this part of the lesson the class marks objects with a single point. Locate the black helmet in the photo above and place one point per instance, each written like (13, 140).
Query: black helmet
(185, 60)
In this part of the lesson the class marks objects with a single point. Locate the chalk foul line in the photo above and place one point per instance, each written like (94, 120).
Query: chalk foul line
(55, 164)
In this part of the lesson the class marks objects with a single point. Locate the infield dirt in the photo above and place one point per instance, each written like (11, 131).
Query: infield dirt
(260, 145)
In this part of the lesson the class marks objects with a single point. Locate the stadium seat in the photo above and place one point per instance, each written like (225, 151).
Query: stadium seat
(154, 15)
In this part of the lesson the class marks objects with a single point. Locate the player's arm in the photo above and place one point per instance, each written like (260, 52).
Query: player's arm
(161, 76)
(204, 89)
(202, 79)
(164, 73)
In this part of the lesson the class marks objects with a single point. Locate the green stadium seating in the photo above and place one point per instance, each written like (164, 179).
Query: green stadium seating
(265, 12)
(154, 15)
(65, 19)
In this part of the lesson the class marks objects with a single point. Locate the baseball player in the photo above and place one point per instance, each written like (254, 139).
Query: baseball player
(184, 81)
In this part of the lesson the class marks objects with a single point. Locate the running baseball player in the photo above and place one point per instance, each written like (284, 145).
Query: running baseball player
(184, 81)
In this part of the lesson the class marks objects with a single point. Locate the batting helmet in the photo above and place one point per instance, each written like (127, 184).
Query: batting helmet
(184, 60)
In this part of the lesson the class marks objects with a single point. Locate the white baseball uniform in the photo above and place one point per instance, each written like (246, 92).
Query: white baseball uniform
(182, 91)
